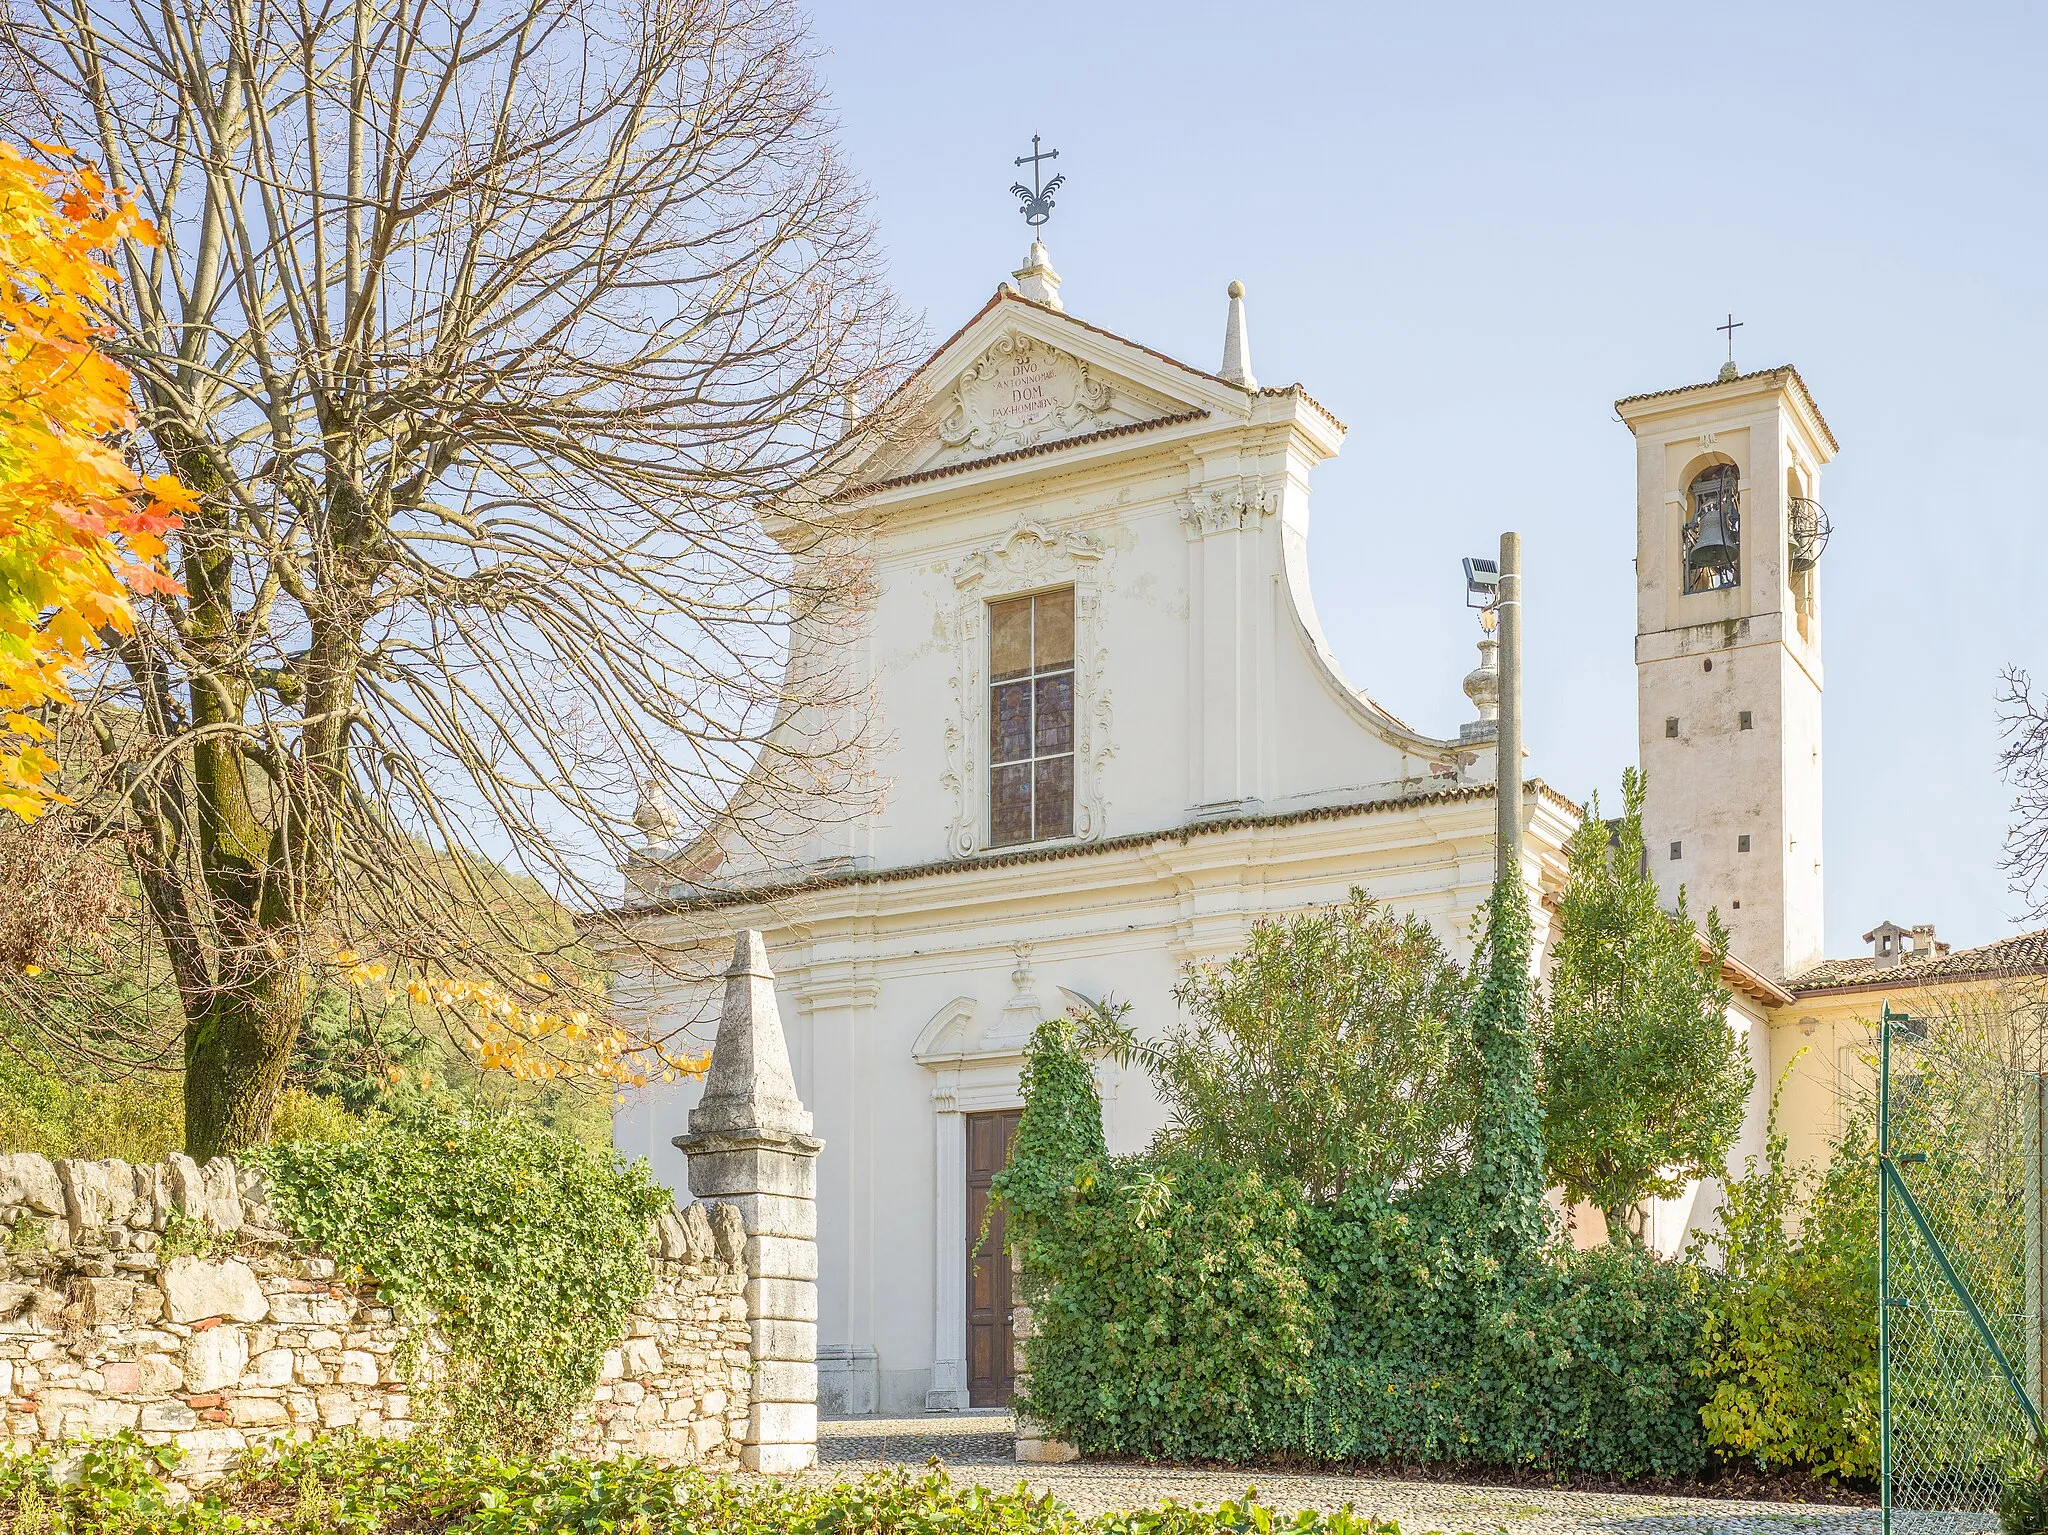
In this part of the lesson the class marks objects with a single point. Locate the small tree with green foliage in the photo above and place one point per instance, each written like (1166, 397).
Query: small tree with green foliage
(1643, 1082)
(1332, 1051)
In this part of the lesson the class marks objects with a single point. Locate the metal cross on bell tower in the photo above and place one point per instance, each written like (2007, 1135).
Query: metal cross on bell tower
(1728, 367)
(1037, 199)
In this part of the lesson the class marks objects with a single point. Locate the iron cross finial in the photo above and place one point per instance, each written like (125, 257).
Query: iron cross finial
(1731, 328)
(1037, 199)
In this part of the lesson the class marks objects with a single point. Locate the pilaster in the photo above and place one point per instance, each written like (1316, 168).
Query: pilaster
(1224, 518)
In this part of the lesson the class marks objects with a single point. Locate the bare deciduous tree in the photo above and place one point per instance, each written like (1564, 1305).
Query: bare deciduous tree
(487, 333)
(2023, 759)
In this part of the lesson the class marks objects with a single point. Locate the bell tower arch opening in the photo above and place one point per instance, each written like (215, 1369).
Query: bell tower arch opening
(1728, 668)
(1713, 529)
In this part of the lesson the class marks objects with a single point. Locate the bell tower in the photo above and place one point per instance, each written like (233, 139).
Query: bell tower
(1729, 532)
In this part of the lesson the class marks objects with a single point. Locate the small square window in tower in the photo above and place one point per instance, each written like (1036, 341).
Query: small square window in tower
(1742, 843)
(1671, 727)
(1031, 718)
(1747, 721)
(1675, 847)
(1713, 530)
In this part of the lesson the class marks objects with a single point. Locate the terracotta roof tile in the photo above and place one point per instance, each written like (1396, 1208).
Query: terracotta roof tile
(855, 492)
(745, 894)
(1743, 378)
(2025, 954)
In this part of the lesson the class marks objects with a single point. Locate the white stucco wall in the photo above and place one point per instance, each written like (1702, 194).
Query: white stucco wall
(1225, 773)
(868, 967)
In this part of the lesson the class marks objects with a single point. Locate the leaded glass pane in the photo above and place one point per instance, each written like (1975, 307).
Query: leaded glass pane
(1053, 630)
(1055, 797)
(1009, 733)
(1055, 728)
(1009, 638)
(1009, 811)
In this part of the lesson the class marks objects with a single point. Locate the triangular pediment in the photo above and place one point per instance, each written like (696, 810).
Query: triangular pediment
(1025, 378)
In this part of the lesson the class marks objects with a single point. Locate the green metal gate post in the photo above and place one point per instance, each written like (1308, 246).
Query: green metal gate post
(1884, 1268)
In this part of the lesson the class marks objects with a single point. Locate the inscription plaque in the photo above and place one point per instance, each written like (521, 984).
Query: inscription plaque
(1020, 392)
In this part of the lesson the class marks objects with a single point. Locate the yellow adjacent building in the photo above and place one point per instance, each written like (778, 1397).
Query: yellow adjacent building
(1824, 1041)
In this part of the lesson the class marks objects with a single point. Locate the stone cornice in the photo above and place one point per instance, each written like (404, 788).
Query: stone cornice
(946, 875)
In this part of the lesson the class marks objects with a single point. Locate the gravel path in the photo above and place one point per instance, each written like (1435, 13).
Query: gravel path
(977, 1446)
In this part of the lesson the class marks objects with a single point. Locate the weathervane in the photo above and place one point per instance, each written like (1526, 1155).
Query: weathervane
(1037, 199)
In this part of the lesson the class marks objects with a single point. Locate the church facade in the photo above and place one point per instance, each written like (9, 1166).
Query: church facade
(1114, 738)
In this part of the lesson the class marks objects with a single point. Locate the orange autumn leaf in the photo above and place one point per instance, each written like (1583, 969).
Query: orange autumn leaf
(79, 531)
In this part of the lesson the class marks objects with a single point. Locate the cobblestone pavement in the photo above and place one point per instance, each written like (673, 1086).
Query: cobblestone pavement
(977, 1446)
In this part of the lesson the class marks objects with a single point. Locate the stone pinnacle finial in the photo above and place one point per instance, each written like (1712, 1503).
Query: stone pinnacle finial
(1036, 279)
(1237, 343)
(654, 813)
(749, 1087)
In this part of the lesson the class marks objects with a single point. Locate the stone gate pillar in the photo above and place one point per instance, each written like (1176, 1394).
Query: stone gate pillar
(750, 1146)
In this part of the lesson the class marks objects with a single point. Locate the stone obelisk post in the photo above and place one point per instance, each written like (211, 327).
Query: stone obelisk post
(750, 1146)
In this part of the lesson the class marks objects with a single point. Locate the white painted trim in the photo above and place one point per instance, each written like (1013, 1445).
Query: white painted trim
(965, 1085)
(949, 1315)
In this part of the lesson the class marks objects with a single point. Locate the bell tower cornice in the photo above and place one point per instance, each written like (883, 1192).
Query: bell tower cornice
(1666, 410)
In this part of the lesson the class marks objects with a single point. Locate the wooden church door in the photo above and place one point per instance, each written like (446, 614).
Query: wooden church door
(991, 1345)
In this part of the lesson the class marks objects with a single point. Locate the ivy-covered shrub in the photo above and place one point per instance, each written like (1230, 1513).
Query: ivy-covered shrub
(1184, 1322)
(1184, 1308)
(525, 1246)
(1436, 1352)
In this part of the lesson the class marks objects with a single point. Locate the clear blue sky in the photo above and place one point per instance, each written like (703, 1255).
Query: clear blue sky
(1468, 230)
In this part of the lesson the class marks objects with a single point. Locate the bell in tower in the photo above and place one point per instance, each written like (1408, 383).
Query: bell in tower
(1713, 532)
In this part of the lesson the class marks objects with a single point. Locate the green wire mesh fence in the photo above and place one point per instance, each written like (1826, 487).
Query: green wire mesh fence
(1960, 1267)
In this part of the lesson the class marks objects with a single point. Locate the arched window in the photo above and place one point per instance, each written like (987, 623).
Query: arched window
(1713, 530)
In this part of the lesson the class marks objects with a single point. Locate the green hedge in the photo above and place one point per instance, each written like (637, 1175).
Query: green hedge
(1435, 1353)
(1184, 1309)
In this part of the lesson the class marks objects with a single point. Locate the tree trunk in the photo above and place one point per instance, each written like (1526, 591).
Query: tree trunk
(236, 1051)
(1621, 1226)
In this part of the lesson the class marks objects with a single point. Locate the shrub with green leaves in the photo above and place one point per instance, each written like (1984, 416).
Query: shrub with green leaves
(1438, 1352)
(344, 1485)
(1184, 1322)
(2023, 1499)
(1188, 1308)
(1334, 1049)
(1788, 1338)
(525, 1247)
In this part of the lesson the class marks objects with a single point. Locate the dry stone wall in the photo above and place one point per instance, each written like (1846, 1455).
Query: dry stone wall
(106, 1325)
